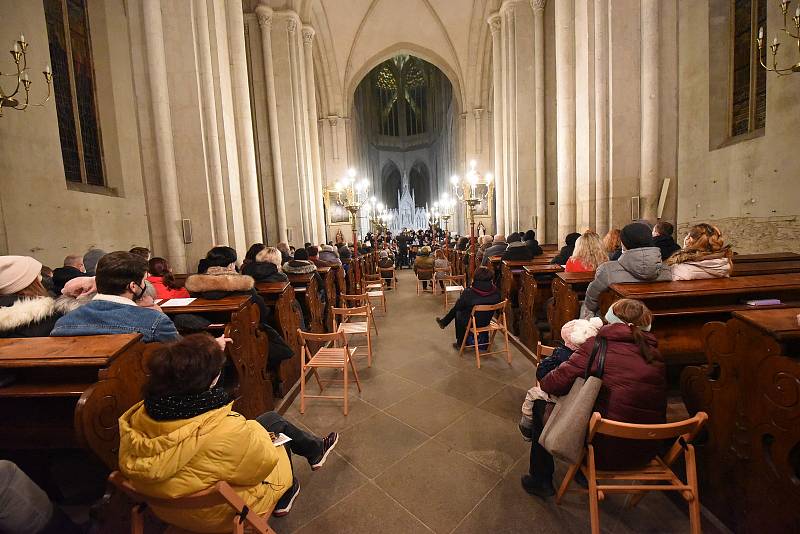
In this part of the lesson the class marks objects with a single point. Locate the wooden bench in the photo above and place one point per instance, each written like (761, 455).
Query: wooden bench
(568, 291)
(750, 389)
(766, 267)
(766, 257)
(248, 352)
(306, 289)
(510, 284)
(341, 285)
(280, 297)
(535, 291)
(681, 308)
(329, 283)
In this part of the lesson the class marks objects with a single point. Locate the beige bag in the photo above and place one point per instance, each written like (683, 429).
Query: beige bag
(564, 433)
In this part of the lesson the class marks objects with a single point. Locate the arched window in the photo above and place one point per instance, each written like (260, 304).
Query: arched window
(401, 86)
(389, 118)
(749, 79)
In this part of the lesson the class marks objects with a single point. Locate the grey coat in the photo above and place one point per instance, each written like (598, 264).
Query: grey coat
(494, 250)
(637, 265)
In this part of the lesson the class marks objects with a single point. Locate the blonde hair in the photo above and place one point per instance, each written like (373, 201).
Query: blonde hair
(707, 238)
(589, 250)
(612, 241)
(270, 255)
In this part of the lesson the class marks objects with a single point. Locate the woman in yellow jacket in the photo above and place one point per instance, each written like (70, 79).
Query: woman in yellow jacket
(184, 437)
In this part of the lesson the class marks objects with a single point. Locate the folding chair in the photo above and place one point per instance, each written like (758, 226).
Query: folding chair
(343, 324)
(440, 274)
(331, 357)
(376, 289)
(454, 285)
(658, 471)
(362, 300)
(392, 278)
(219, 494)
(497, 324)
(425, 272)
(543, 351)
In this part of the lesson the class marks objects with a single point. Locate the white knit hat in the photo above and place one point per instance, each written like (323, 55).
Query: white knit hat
(576, 332)
(17, 273)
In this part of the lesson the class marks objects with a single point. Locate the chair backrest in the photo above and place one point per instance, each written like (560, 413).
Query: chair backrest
(500, 306)
(358, 299)
(460, 279)
(442, 269)
(543, 351)
(372, 277)
(219, 493)
(348, 312)
(428, 272)
(688, 428)
(320, 338)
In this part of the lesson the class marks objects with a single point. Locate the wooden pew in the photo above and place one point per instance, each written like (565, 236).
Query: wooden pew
(329, 283)
(70, 391)
(341, 285)
(248, 352)
(750, 388)
(350, 277)
(568, 291)
(535, 291)
(306, 290)
(680, 309)
(510, 284)
(280, 296)
(766, 257)
(765, 267)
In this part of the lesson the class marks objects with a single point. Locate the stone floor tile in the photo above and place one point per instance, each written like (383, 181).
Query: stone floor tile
(506, 403)
(468, 387)
(428, 411)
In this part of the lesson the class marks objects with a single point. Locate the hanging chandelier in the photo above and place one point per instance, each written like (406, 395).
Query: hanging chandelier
(16, 99)
(782, 71)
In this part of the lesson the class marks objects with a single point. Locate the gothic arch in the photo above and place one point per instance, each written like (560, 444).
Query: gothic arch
(419, 178)
(391, 180)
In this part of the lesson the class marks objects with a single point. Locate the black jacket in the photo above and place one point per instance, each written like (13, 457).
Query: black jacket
(533, 246)
(264, 271)
(62, 275)
(667, 245)
(481, 292)
(31, 317)
(517, 251)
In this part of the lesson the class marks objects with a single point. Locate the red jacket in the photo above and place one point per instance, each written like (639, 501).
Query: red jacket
(633, 391)
(164, 292)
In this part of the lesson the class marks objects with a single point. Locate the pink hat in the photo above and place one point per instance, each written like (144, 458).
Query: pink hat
(79, 287)
(577, 331)
(17, 273)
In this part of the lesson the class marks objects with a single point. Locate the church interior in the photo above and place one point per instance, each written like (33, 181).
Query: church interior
(234, 235)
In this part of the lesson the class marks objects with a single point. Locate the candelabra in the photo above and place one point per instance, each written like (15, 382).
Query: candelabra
(468, 192)
(447, 204)
(785, 71)
(14, 100)
(351, 194)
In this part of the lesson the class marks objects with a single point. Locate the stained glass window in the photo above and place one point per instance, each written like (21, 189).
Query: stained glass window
(74, 86)
(749, 79)
(401, 89)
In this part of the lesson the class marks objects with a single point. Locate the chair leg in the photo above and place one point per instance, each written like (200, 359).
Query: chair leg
(137, 520)
(508, 348)
(567, 480)
(594, 504)
(691, 479)
(477, 350)
(369, 349)
(355, 374)
(464, 341)
(345, 373)
(238, 526)
(303, 388)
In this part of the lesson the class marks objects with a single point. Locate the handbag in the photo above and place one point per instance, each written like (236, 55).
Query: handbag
(564, 434)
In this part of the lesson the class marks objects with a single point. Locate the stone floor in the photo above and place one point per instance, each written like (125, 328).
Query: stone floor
(432, 445)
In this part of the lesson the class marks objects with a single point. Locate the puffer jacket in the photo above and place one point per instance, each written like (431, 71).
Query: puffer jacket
(32, 316)
(423, 262)
(636, 265)
(518, 251)
(633, 391)
(176, 458)
(698, 264)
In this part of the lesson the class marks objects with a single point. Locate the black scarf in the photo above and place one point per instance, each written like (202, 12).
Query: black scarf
(172, 407)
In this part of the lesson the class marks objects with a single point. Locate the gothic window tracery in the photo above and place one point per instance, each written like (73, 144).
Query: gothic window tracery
(401, 85)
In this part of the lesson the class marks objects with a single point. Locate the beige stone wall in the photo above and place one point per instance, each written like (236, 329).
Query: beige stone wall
(39, 215)
(749, 188)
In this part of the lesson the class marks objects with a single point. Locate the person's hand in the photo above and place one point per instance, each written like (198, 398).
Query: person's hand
(222, 341)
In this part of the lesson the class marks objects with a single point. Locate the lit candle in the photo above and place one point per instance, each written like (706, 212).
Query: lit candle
(48, 69)
(761, 32)
(797, 12)
(16, 48)
(21, 38)
(25, 77)
(775, 42)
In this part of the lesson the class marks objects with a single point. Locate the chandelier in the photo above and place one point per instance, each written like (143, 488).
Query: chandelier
(15, 99)
(782, 71)
(470, 192)
(351, 194)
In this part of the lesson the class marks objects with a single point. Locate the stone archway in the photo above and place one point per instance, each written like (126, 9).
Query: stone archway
(391, 181)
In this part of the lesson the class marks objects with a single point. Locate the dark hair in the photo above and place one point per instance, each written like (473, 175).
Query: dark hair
(220, 257)
(530, 235)
(513, 238)
(141, 251)
(637, 315)
(301, 254)
(664, 228)
(306, 245)
(160, 267)
(116, 270)
(483, 274)
(184, 367)
(253, 251)
(312, 251)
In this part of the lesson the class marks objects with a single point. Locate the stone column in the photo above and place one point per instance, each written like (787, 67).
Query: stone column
(565, 98)
(264, 15)
(313, 129)
(162, 128)
(300, 141)
(497, 122)
(538, 92)
(648, 184)
(244, 123)
(209, 111)
(512, 196)
(602, 222)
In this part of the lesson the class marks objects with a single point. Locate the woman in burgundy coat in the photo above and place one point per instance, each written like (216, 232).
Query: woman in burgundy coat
(634, 390)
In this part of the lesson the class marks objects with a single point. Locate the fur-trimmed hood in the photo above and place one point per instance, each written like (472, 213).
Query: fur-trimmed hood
(219, 279)
(299, 267)
(20, 312)
(689, 255)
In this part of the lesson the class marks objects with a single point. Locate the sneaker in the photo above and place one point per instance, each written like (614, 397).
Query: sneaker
(284, 504)
(441, 323)
(328, 443)
(539, 489)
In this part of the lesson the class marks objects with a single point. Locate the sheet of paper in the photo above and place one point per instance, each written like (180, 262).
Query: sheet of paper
(282, 440)
(176, 302)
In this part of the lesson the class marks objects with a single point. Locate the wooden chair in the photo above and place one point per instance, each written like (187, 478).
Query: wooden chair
(443, 273)
(658, 471)
(351, 301)
(343, 324)
(454, 284)
(392, 278)
(376, 289)
(497, 324)
(543, 351)
(219, 494)
(431, 281)
(329, 356)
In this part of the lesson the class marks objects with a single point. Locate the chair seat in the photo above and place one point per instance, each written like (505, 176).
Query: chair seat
(453, 288)
(354, 328)
(328, 357)
(373, 286)
(375, 293)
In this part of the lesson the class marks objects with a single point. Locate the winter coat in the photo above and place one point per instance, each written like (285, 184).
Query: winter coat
(164, 292)
(100, 317)
(299, 267)
(264, 271)
(699, 265)
(633, 391)
(481, 292)
(62, 275)
(31, 316)
(441, 263)
(496, 249)
(218, 282)
(533, 246)
(637, 265)
(575, 265)
(423, 262)
(329, 257)
(167, 459)
(517, 251)
(318, 262)
(667, 245)
(563, 255)
(616, 254)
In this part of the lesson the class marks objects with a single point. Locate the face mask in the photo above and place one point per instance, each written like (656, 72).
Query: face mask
(611, 319)
(138, 296)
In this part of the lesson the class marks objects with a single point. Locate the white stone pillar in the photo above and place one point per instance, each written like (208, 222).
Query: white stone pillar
(539, 139)
(313, 194)
(495, 23)
(565, 99)
(648, 184)
(264, 15)
(300, 141)
(244, 123)
(508, 210)
(313, 129)
(162, 128)
(602, 223)
(512, 189)
(209, 116)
